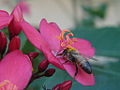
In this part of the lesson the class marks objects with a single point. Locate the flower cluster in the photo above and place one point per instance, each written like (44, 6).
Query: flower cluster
(50, 40)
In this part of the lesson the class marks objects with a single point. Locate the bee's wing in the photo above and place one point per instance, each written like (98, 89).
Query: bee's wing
(89, 57)
(85, 56)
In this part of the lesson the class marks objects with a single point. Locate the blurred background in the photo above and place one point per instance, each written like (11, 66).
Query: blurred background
(94, 20)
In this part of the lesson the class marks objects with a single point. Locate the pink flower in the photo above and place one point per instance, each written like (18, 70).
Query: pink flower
(51, 40)
(38, 41)
(13, 20)
(15, 71)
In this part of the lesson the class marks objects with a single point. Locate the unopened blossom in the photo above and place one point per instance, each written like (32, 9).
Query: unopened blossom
(63, 86)
(43, 65)
(14, 44)
(50, 40)
(49, 72)
(15, 71)
(32, 55)
(3, 43)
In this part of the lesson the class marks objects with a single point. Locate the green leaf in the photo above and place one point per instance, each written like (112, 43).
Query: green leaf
(105, 40)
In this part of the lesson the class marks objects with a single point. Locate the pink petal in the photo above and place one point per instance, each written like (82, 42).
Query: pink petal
(17, 13)
(84, 47)
(53, 60)
(82, 77)
(50, 32)
(34, 36)
(14, 26)
(37, 40)
(4, 19)
(3, 13)
(24, 7)
(16, 68)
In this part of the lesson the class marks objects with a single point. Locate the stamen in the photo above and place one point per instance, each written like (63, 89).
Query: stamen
(74, 39)
(62, 44)
(68, 41)
(70, 34)
(63, 32)
(8, 85)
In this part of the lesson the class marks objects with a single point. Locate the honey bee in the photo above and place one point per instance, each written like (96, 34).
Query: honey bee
(72, 55)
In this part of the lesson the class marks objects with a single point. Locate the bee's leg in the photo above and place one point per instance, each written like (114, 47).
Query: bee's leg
(76, 70)
(66, 61)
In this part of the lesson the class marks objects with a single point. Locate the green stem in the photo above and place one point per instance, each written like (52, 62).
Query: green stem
(34, 77)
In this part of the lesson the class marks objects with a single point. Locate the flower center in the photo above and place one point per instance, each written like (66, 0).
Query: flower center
(7, 85)
(66, 41)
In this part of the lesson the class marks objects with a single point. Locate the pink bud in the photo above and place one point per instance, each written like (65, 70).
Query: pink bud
(49, 72)
(43, 65)
(57, 87)
(14, 44)
(3, 43)
(32, 55)
(14, 29)
(66, 85)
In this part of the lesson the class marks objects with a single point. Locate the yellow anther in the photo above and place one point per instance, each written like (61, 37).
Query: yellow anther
(64, 30)
(7, 84)
(70, 34)
(75, 39)
(2, 84)
(62, 44)
(66, 41)
(15, 87)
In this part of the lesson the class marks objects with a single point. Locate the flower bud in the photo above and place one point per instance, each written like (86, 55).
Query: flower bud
(49, 72)
(3, 43)
(57, 87)
(14, 29)
(32, 55)
(14, 44)
(66, 85)
(43, 65)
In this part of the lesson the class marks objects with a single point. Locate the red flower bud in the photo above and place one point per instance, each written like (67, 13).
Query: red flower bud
(14, 44)
(49, 72)
(43, 65)
(64, 86)
(14, 28)
(32, 55)
(3, 43)
(57, 87)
